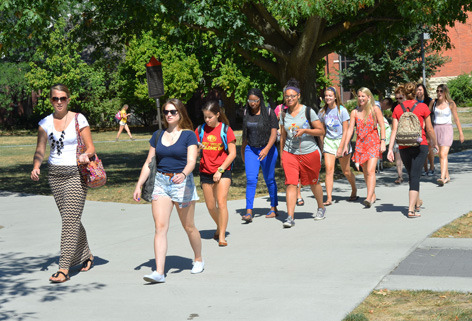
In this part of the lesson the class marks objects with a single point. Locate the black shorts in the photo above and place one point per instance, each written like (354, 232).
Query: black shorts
(208, 178)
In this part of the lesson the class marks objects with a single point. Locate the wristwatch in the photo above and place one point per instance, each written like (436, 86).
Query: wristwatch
(221, 170)
(384, 139)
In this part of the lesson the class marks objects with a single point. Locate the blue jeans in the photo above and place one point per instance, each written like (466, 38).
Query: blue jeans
(251, 158)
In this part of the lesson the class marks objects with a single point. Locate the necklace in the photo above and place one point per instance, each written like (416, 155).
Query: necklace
(173, 135)
(58, 144)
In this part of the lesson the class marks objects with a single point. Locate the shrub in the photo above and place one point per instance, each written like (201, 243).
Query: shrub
(460, 89)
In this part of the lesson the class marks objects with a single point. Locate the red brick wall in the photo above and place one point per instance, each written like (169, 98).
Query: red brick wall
(461, 54)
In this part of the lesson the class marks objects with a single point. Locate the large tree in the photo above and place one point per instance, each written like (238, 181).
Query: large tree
(286, 38)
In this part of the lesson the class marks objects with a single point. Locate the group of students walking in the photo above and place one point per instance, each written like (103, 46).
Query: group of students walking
(304, 137)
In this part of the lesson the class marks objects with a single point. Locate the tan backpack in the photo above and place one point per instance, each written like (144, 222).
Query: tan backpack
(409, 132)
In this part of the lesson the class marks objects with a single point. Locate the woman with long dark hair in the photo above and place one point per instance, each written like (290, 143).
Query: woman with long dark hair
(444, 109)
(422, 96)
(218, 145)
(175, 149)
(258, 149)
(67, 185)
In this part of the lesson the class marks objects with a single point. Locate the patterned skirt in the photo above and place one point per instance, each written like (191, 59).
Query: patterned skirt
(69, 190)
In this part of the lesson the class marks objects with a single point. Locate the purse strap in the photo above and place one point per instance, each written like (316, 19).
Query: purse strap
(80, 141)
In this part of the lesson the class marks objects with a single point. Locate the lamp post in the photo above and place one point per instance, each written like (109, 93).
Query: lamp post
(424, 36)
(155, 84)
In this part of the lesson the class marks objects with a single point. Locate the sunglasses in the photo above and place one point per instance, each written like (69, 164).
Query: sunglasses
(58, 99)
(290, 96)
(254, 101)
(173, 112)
(439, 91)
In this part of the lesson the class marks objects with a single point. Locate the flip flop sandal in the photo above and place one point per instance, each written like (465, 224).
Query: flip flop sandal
(247, 218)
(418, 207)
(367, 204)
(300, 202)
(85, 265)
(56, 275)
(328, 203)
(353, 198)
(271, 214)
(399, 180)
(216, 236)
(414, 215)
(440, 182)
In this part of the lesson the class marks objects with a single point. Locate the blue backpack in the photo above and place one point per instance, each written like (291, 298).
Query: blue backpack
(224, 130)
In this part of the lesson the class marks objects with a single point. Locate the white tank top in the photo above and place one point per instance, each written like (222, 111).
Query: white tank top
(65, 153)
(443, 116)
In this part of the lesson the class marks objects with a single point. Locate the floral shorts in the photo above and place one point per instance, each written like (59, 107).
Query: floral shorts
(182, 193)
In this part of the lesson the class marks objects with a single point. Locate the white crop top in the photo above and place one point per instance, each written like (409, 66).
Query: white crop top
(443, 116)
(62, 153)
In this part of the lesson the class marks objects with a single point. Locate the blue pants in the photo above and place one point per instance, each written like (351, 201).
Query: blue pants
(252, 162)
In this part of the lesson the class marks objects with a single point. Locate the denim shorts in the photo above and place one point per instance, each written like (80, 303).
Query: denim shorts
(182, 193)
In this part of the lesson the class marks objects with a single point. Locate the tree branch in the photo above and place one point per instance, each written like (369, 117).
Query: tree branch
(289, 36)
(259, 22)
(263, 63)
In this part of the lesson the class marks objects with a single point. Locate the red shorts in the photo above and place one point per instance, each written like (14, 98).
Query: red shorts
(304, 167)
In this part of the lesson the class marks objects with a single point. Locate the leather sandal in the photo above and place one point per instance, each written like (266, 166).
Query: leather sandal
(399, 180)
(300, 202)
(85, 266)
(247, 218)
(56, 275)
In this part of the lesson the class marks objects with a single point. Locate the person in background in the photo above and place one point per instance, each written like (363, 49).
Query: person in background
(413, 156)
(335, 118)
(369, 148)
(124, 123)
(423, 97)
(67, 185)
(216, 165)
(301, 156)
(399, 97)
(258, 149)
(175, 149)
(444, 108)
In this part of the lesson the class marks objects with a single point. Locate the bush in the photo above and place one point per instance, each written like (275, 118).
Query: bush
(460, 89)
(356, 317)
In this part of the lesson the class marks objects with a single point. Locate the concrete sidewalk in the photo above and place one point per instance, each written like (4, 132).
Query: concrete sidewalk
(317, 270)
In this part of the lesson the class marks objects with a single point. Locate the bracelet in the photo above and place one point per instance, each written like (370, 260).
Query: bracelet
(384, 139)
(184, 174)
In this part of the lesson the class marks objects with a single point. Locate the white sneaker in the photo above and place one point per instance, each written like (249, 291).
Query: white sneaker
(154, 277)
(320, 214)
(198, 267)
(289, 222)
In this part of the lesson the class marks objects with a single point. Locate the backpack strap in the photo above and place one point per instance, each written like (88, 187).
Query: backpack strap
(403, 107)
(224, 138)
(200, 130)
(414, 106)
(308, 115)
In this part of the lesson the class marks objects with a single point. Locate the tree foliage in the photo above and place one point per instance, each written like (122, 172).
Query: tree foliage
(395, 62)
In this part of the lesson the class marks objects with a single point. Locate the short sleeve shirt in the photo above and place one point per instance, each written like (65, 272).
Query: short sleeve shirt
(213, 153)
(253, 133)
(299, 145)
(173, 158)
(68, 155)
(333, 120)
(421, 110)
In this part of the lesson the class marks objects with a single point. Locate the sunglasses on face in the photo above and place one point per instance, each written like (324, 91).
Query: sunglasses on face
(439, 91)
(253, 101)
(58, 99)
(399, 97)
(173, 112)
(291, 97)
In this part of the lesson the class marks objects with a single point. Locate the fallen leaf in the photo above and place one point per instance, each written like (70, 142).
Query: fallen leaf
(371, 311)
(442, 296)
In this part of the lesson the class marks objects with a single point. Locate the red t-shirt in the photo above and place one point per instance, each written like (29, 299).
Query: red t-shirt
(421, 110)
(213, 154)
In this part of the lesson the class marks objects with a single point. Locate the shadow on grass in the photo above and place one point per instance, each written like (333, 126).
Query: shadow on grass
(16, 281)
